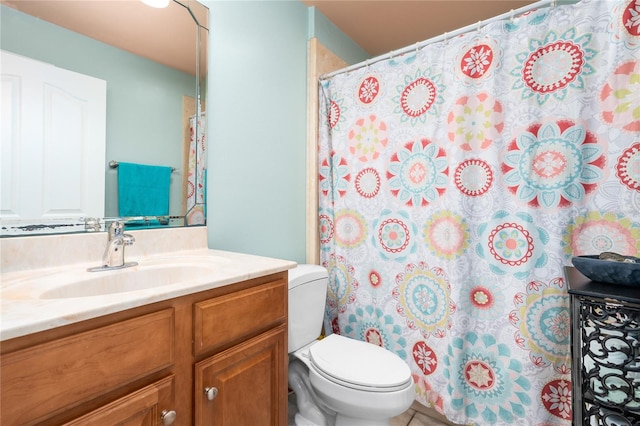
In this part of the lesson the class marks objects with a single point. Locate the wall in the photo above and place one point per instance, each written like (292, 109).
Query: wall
(144, 98)
(256, 103)
(333, 38)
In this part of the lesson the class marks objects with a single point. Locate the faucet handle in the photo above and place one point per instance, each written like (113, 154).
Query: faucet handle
(128, 239)
(116, 228)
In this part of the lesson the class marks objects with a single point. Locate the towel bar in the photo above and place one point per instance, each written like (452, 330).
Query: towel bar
(114, 165)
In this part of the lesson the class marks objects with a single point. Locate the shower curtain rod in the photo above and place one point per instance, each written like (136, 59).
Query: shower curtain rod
(445, 36)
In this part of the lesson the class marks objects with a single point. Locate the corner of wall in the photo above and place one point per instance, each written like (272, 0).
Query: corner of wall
(334, 39)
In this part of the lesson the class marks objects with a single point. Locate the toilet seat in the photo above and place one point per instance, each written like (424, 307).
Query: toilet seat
(359, 365)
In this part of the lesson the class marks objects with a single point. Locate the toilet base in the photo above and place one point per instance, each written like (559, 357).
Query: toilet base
(308, 412)
(322, 402)
(299, 420)
(350, 421)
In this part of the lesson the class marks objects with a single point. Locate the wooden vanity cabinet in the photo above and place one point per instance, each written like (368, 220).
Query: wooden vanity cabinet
(157, 364)
(245, 384)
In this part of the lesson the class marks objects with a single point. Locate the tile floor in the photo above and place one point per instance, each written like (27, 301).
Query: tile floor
(419, 415)
(416, 415)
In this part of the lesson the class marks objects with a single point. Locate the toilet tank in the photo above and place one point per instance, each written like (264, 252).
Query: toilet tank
(307, 297)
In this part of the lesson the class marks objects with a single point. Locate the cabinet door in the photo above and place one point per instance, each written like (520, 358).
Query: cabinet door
(245, 385)
(144, 407)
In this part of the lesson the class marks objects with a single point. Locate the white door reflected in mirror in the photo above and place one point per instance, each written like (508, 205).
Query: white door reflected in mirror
(53, 141)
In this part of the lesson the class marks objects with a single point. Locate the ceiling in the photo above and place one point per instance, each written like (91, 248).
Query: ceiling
(377, 26)
(164, 35)
(380, 26)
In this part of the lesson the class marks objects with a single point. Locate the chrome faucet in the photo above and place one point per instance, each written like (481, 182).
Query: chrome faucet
(113, 257)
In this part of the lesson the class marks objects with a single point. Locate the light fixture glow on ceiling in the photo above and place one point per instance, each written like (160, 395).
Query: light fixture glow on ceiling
(156, 3)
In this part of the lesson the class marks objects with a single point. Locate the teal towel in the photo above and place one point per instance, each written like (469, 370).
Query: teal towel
(143, 190)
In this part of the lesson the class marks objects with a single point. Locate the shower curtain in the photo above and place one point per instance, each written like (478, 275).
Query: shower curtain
(457, 180)
(196, 177)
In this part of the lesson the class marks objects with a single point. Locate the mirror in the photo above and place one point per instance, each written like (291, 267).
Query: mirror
(155, 68)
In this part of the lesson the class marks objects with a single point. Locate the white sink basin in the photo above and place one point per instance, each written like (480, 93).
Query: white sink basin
(149, 274)
(130, 279)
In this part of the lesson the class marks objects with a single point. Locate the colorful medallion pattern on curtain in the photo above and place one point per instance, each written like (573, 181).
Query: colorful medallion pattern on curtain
(457, 180)
(196, 174)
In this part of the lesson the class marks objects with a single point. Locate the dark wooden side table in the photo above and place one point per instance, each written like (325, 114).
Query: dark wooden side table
(605, 352)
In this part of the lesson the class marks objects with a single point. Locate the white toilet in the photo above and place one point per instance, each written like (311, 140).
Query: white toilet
(338, 380)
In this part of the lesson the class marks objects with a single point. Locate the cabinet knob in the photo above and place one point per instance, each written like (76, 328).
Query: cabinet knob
(168, 417)
(211, 393)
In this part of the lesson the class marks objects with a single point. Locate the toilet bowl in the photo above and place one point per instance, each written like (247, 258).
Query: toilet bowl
(338, 380)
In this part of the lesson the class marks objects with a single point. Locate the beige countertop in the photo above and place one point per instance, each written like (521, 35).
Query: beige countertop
(33, 267)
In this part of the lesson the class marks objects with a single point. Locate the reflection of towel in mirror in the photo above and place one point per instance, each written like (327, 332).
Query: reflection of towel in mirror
(143, 190)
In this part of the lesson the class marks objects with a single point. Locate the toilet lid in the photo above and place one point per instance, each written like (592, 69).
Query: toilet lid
(359, 365)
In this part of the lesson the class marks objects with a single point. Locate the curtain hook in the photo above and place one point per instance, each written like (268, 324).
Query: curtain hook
(446, 34)
(479, 25)
(553, 4)
(511, 16)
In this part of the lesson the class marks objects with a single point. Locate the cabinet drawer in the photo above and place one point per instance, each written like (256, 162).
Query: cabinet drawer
(227, 319)
(48, 378)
